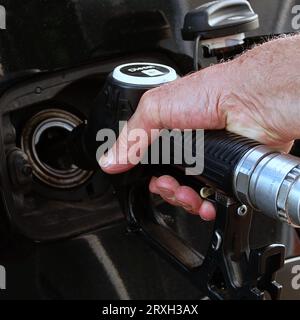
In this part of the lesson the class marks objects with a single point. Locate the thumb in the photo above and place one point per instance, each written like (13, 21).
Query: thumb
(134, 138)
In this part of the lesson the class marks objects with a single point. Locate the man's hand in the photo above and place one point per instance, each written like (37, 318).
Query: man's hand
(256, 95)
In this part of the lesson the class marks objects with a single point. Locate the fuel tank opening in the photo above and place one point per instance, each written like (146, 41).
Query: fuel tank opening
(42, 140)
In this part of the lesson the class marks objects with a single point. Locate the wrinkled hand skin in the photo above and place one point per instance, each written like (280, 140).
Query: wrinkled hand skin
(256, 95)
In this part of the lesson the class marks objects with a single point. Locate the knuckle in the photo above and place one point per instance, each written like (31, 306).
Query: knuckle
(149, 107)
(146, 101)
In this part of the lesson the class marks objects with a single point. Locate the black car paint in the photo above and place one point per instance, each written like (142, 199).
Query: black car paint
(47, 35)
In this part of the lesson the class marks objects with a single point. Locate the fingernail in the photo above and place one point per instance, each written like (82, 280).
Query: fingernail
(166, 192)
(171, 198)
(185, 206)
(206, 220)
(188, 208)
(106, 160)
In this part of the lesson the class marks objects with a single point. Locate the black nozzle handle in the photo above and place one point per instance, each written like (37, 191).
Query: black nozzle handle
(222, 152)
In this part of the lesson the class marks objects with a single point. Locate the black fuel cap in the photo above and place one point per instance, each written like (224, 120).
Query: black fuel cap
(219, 19)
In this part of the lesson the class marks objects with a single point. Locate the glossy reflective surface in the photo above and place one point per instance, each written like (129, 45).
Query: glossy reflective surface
(46, 34)
(107, 264)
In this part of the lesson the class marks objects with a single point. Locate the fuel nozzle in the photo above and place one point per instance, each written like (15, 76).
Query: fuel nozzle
(219, 25)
